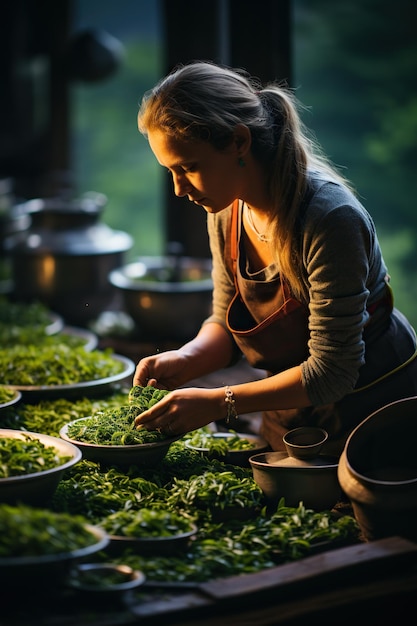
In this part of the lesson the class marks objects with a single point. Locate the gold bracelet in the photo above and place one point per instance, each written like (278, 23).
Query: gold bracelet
(231, 408)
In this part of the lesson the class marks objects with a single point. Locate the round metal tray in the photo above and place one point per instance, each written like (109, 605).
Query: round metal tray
(100, 386)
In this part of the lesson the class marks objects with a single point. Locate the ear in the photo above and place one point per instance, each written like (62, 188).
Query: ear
(242, 140)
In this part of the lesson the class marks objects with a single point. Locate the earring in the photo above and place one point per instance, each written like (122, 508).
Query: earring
(241, 162)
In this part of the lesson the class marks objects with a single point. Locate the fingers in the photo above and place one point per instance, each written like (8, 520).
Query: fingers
(151, 418)
(141, 421)
(156, 418)
(166, 429)
(143, 381)
(142, 375)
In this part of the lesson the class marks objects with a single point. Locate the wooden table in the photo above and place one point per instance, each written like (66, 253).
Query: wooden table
(370, 584)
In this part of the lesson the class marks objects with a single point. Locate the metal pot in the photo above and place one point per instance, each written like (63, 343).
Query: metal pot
(167, 297)
(63, 259)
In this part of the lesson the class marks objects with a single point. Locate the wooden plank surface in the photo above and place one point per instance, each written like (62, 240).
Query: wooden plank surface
(374, 555)
(368, 575)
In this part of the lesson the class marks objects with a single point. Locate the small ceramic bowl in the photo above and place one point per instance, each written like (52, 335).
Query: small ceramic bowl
(305, 442)
(102, 579)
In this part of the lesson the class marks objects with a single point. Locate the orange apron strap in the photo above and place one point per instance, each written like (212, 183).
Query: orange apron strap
(234, 237)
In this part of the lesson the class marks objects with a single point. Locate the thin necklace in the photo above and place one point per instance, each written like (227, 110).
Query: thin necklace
(261, 236)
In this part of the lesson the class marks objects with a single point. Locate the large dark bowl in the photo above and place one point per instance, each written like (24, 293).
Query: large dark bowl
(162, 303)
(37, 488)
(142, 455)
(378, 471)
(46, 572)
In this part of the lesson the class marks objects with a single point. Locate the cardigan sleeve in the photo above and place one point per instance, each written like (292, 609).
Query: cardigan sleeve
(345, 271)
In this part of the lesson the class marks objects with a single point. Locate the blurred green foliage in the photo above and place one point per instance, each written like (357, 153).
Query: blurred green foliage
(112, 157)
(356, 72)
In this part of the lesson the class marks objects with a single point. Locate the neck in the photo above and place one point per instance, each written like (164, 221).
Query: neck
(260, 228)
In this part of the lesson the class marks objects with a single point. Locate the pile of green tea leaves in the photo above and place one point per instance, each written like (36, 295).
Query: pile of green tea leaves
(234, 548)
(95, 492)
(142, 398)
(27, 336)
(22, 322)
(27, 455)
(240, 543)
(249, 540)
(216, 490)
(219, 444)
(56, 364)
(21, 314)
(27, 324)
(145, 523)
(115, 426)
(49, 416)
(28, 532)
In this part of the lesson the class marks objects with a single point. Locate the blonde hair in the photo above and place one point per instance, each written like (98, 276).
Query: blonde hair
(205, 101)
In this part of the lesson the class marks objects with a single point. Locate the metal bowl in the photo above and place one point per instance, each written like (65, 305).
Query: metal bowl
(142, 455)
(87, 388)
(37, 488)
(166, 298)
(87, 338)
(234, 457)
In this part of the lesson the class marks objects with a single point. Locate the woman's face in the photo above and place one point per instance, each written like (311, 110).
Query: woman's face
(211, 178)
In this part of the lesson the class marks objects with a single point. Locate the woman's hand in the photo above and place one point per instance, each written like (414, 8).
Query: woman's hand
(184, 410)
(210, 350)
(163, 371)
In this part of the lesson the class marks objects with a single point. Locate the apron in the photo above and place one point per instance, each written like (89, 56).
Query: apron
(271, 329)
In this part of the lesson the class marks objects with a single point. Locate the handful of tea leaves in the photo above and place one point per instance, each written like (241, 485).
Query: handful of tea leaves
(115, 426)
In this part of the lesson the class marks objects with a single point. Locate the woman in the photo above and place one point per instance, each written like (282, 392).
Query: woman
(300, 285)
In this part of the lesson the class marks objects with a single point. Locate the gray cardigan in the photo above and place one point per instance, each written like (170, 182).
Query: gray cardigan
(344, 272)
